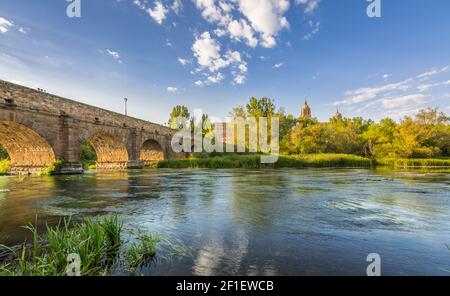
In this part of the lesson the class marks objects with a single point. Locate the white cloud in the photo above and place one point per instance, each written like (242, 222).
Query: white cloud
(158, 13)
(23, 30)
(433, 72)
(386, 76)
(315, 28)
(172, 89)
(266, 17)
(207, 51)
(403, 101)
(5, 25)
(183, 61)
(168, 43)
(115, 55)
(177, 6)
(213, 13)
(367, 93)
(310, 5)
(240, 79)
(277, 66)
(241, 30)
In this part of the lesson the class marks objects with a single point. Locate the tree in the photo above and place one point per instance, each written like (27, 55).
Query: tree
(263, 107)
(179, 111)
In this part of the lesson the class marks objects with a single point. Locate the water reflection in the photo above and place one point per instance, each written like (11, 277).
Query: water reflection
(255, 222)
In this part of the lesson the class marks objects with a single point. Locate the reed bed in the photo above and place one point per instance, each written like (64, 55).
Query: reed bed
(254, 161)
(97, 242)
(415, 163)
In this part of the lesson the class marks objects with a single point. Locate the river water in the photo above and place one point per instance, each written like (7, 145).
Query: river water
(255, 222)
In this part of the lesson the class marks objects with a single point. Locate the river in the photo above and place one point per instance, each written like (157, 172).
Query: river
(255, 222)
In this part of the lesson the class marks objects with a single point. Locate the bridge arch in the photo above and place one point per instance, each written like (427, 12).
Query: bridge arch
(110, 150)
(151, 151)
(28, 151)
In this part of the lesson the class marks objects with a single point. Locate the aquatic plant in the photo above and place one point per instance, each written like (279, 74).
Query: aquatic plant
(140, 252)
(94, 240)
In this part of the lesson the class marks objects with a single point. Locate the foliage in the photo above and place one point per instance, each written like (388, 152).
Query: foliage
(410, 163)
(427, 135)
(138, 253)
(3, 153)
(178, 111)
(88, 156)
(4, 166)
(94, 240)
(254, 161)
(333, 137)
(53, 168)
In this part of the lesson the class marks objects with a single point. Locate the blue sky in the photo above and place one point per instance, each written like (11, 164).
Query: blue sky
(214, 55)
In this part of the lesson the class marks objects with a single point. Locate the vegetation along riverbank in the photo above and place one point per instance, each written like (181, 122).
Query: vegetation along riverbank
(99, 242)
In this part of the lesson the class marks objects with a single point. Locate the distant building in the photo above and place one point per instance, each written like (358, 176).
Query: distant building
(337, 116)
(305, 113)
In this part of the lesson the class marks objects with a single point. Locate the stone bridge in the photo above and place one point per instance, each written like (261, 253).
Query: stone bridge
(36, 128)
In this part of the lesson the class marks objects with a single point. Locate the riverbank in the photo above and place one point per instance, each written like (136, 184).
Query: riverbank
(98, 243)
(300, 161)
(403, 163)
(254, 161)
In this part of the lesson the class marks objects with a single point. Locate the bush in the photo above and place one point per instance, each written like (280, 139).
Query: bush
(4, 166)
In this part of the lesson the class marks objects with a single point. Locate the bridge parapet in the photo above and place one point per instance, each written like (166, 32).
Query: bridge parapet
(66, 124)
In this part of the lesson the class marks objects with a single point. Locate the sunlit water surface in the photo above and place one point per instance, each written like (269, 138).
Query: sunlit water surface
(255, 222)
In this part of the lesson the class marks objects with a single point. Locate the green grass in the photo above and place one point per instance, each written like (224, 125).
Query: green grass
(141, 252)
(97, 241)
(4, 166)
(414, 163)
(254, 161)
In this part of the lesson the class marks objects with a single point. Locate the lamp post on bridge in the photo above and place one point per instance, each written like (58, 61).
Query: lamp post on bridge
(126, 100)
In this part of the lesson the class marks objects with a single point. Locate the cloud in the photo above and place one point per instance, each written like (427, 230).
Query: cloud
(241, 30)
(158, 13)
(183, 61)
(315, 28)
(213, 13)
(177, 6)
(5, 25)
(310, 5)
(279, 65)
(23, 30)
(172, 89)
(386, 76)
(266, 17)
(207, 51)
(367, 93)
(403, 101)
(115, 55)
(433, 72)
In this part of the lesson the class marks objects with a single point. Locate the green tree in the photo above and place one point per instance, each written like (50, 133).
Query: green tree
(179, 111)
(263, 107)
